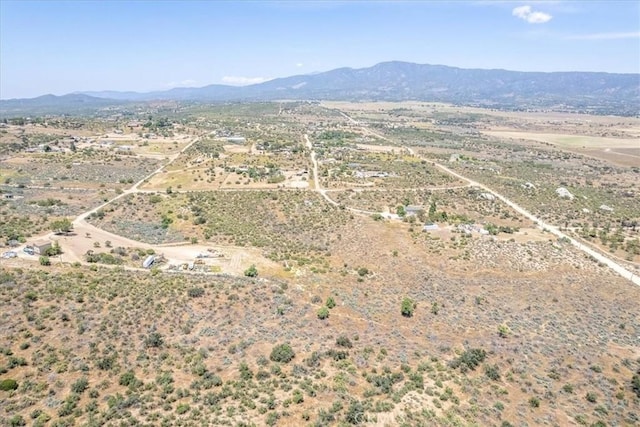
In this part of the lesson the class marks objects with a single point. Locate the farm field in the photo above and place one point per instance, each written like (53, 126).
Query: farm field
(319, 264)
(569, 141)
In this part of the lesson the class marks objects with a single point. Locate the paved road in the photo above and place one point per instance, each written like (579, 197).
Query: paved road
(618, 268)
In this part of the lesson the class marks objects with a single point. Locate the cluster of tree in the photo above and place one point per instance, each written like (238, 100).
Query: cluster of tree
(469, 359)
(494, 229)
(102, 257)
(162, 122)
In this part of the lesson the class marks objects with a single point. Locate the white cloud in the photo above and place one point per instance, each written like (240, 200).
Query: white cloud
(605, 36)
(299, 64)
(531, 16)
(243, 81)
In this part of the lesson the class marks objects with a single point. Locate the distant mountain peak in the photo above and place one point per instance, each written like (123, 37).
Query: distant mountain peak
(398, 81)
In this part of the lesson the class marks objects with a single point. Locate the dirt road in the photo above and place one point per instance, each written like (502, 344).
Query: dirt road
(618, 268)
(316, 179)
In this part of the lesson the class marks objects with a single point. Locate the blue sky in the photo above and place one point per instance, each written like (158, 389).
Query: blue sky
(61, 47)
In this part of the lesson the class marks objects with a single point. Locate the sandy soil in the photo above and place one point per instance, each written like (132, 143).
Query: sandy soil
(236, 149)
(379, 148)
(75, 245)
(568, 141)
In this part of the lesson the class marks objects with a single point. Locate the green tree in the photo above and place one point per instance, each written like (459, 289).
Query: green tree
(282, 353)
(61, 226)
(44, 260)
(432, 210)
(54, 250)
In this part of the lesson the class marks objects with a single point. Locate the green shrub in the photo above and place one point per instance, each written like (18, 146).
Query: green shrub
(8, 384)
(251, 271)
(182, 408)
(330, 302)
(245, 373)
(129, 379)
(297, 397)
(154, 340)
(534, 402)
(80, 385)
(503, 331)
(323, 312)
(195, 292)
(635, 384)
(363, 271)
(408, 307)
(355, 413)
(492, 372)
(282, 353)
(343, 341)
(469, 359)
(17, 420)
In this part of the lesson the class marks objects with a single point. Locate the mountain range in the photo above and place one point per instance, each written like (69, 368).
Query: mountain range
(604, 93)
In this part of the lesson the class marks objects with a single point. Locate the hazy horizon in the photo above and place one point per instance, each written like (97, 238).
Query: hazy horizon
(65, 47)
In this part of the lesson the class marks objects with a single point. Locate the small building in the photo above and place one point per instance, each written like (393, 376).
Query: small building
(430, 227)
(413, 210)
(149, 261)
(237, 139)
(40, 246)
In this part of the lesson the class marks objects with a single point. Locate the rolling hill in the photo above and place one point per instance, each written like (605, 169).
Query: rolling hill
(602, 93)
